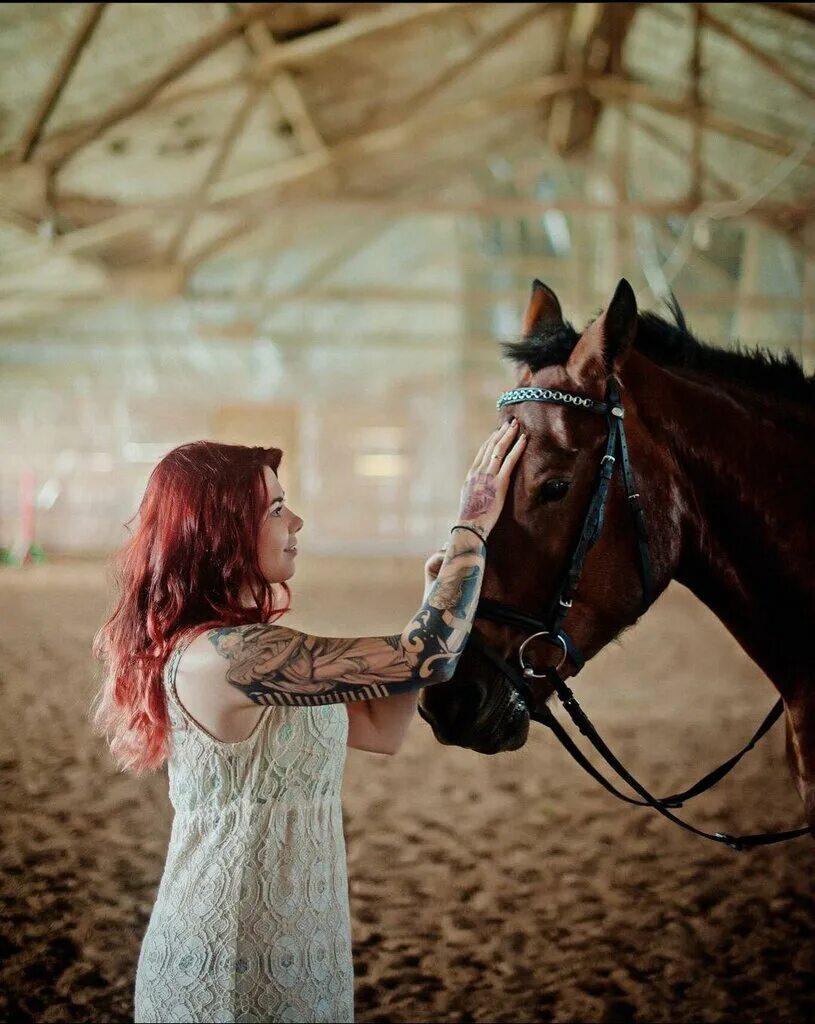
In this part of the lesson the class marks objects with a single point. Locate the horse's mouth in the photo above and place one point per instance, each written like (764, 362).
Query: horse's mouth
(488, 718)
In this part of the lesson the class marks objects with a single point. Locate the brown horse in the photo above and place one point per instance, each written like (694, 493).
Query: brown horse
(721, 444)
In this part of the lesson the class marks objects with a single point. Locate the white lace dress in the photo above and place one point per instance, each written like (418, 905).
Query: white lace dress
(251, 921)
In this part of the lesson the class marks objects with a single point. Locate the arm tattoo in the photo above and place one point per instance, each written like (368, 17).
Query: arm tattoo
(272, 664)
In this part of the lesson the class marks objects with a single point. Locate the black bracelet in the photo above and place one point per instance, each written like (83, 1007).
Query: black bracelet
(461, 526)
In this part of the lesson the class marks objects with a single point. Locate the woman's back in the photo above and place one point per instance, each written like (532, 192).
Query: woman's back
(251, 918)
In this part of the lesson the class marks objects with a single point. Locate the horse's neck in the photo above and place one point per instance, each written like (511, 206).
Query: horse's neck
(745, 477)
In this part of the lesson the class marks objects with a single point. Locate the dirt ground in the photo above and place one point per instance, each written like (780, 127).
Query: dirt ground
(482, 889)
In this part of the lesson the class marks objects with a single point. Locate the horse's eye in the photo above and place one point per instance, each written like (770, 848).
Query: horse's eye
(554, 490)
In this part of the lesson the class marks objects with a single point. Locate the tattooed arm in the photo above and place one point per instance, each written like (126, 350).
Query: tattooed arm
(271, 664)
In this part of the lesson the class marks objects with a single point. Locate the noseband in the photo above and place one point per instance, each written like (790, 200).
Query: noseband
(548, 627)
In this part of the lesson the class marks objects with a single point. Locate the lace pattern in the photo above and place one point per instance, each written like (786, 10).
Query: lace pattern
(251, 920)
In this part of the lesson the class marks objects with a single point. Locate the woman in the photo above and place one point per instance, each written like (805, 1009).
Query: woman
(251, 920)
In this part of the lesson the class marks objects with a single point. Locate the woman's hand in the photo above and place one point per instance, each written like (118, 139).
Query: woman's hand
(486, 486)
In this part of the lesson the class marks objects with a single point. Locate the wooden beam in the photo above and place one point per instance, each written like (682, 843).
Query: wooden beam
(585, 24)
(286, 92)
(59, 148)
(804, 12)
(31, 136)
(200, 197)
(613, 90)
(725, 187)
(773, 64)
(83, 238)
(513, 208)
(486, 46)
(696, 190)
(381, 140)
(389, 19)
(481, 297)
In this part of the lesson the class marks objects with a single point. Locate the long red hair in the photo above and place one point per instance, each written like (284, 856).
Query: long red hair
(192, 554)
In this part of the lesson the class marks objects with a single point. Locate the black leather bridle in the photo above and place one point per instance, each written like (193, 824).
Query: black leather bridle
(549, 629)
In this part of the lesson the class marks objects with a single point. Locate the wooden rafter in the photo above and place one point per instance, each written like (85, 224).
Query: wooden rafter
(34, 129)
(59, 148)
(391, 18)
(614, 90)
(200, 198)
(479, 297)
(239, 229)
(805, 12)
(486, 45)
(773, 64)
(520, 207)
(697, 187)
(369, 144)
(286, 91)
(725, 187)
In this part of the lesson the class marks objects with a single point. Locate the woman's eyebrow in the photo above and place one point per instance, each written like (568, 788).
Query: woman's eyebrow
(275, 500)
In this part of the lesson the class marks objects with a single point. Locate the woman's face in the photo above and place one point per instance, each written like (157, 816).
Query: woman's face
(277, 540)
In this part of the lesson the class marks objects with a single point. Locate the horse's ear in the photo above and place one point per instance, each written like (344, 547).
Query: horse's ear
(605, 344)
(543, 311)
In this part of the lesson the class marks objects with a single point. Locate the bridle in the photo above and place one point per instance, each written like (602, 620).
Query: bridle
(549, 628)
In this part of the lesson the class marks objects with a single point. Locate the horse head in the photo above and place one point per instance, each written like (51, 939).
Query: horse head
(532, 547)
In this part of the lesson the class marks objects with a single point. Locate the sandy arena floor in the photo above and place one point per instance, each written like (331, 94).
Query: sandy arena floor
(482, 889)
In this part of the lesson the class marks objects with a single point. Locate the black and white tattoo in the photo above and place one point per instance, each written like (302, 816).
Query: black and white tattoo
(272, 664)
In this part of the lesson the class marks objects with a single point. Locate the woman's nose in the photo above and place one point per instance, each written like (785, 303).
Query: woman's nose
(297, 526)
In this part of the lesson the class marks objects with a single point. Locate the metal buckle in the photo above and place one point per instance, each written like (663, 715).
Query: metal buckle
(528, 671)
(731, 841)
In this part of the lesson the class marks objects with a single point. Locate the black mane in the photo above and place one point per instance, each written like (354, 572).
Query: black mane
(672, 344)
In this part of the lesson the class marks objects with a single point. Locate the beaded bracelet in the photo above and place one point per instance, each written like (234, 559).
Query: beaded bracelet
(461, 526)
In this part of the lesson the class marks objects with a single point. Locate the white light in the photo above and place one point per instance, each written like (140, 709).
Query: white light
(49, 492)
(557, 230)
(380, 438)
(380, 464)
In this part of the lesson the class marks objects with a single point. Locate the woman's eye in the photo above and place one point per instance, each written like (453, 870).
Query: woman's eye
(554, 490)
(276, 511)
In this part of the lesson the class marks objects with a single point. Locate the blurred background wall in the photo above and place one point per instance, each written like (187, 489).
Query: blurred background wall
(310, 225)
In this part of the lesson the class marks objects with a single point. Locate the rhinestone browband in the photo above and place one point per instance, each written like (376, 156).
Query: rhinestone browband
(550, 395)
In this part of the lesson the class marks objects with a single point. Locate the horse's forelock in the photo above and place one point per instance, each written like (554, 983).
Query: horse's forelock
(544, 348)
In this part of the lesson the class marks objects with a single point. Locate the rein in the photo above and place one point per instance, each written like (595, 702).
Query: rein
(548, 628)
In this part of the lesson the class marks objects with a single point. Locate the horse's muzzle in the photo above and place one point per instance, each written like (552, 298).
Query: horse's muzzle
(484, 713)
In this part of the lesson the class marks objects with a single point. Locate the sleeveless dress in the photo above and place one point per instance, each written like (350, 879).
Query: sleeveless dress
(251, 921)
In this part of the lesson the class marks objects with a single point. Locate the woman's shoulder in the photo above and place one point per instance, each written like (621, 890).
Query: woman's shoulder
(212, 650)
(197, 654)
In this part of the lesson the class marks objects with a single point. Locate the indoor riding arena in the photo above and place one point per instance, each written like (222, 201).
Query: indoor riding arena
(312, 227)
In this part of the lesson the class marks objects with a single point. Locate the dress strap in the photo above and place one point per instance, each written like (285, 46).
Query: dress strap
(170, 672)
(171, 665)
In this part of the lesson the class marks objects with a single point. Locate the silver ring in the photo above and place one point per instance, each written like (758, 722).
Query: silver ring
(527, 670)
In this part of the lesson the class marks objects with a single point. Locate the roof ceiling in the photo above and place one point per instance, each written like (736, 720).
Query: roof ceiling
(145, 146)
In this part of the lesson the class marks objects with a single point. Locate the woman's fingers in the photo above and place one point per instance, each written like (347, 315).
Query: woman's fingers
(511, 460)
(502, 441)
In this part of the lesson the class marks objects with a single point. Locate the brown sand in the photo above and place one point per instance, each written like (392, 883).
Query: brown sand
(482, 889)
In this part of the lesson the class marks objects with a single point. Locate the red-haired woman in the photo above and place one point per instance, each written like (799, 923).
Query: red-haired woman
(251, 920)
